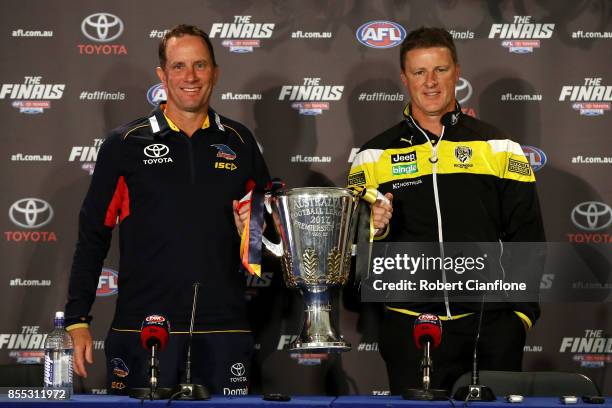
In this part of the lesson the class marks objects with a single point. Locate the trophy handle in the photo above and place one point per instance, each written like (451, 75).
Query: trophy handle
(276, 249)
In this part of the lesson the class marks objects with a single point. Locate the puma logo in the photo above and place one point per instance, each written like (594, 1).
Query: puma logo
(403, 139)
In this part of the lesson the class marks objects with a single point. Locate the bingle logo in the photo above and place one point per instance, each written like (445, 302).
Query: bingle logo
(31, 213)
(592, 216)
(238, 369)
(463, 91)
(156, 94)
(381, 34)
(536, 157)
(107, 283)
(102, 27)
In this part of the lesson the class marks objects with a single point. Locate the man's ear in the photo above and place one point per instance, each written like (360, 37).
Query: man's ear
(216, 75)
(404, 79)
(161, 74)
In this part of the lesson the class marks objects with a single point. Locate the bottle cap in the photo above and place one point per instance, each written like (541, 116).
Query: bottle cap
(59, 315)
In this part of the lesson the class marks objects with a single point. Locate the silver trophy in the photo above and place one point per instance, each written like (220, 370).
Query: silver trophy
(316, 226)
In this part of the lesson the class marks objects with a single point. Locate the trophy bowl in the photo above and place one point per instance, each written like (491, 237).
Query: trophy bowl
(316, 226)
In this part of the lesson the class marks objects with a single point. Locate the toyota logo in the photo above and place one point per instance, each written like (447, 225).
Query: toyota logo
(592, 216)
(156, 150)
(102, 27)
(237, 369)
(463, 90)
(31, 213)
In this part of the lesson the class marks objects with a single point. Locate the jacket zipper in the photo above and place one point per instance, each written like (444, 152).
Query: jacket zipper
(191, 158)
(434, 161)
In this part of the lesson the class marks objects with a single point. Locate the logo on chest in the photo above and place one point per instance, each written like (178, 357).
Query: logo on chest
(464, 155)
(157, 153)
(404, 163)
(225, 152)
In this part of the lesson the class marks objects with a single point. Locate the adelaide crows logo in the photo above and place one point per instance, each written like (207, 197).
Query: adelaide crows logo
(224, 152)
(120, 369)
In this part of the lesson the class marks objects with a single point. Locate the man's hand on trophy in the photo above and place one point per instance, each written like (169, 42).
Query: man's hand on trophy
(241, 214)
(382, 210)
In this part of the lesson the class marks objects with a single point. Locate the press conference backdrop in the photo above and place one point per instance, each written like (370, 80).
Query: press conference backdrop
(314, 80)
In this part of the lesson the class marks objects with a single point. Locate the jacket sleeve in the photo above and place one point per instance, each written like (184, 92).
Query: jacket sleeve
(522, 222)
(520, 207)
(260, 169)
(96, 222)
(363, 174)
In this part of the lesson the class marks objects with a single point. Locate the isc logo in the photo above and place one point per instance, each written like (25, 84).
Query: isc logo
(107, 283)
(224, 165)
(381, 34)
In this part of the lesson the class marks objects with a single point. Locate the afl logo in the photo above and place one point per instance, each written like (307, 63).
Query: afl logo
(107, 283)
(155, 319)
(381, 34)
(536, 157)
(156, 94)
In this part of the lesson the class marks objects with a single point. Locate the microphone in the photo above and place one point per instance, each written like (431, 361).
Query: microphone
(427, 329)
(475, 391)
(188, 390)
(154, 337)
(427, 335)
(154, 334)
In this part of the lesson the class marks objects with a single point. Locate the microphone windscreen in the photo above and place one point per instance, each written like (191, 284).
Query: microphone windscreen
(427, 328)
(155, 331)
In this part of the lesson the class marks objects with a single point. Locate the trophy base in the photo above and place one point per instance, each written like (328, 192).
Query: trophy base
(319, 347)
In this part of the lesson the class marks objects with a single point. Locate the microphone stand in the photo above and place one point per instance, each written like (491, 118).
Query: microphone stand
(154, 368)
(475, 391)
(426, 364)
(152, 392)
(188, 390)
(425, 393)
